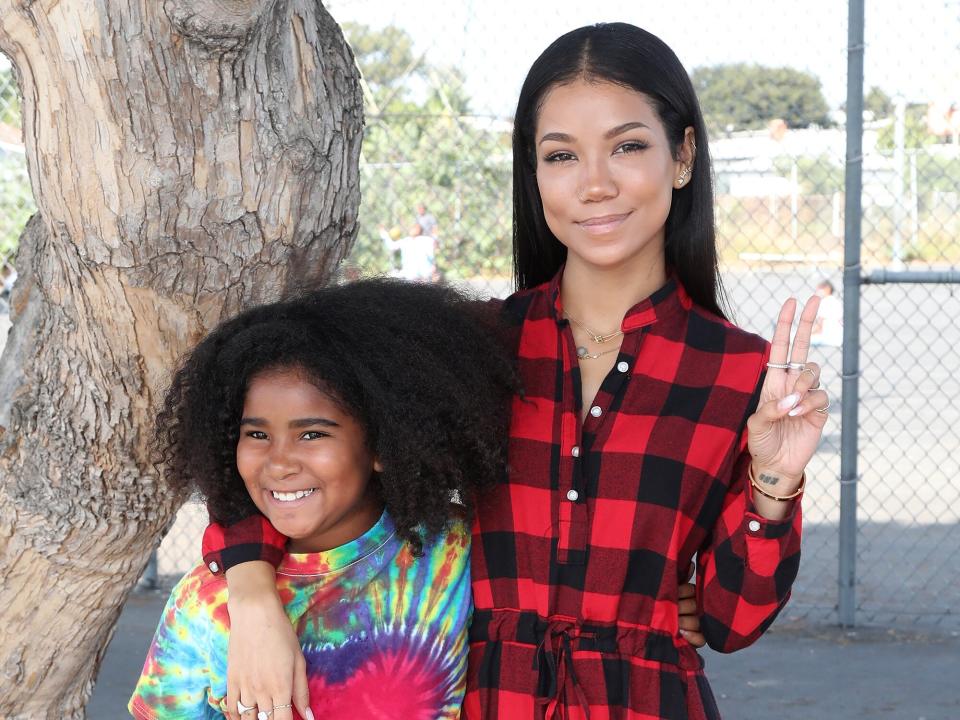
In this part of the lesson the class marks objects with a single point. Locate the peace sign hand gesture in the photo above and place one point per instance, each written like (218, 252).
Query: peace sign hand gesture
(783, 433)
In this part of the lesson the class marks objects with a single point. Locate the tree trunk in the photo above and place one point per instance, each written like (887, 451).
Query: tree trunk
(188, 158)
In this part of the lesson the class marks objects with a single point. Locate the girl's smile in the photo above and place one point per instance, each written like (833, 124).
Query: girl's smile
(305, 462)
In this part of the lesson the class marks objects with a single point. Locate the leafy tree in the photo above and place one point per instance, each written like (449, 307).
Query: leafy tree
(878, 102)
(387, 62)
(916, 132)
(422, 145)
(743, 96)
(9, 99)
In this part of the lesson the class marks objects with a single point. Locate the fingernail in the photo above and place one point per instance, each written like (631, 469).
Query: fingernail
(309, 714)
(789, 401)
(796, 411)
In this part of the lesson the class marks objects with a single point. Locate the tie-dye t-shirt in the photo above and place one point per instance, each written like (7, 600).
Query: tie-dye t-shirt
(383, 632)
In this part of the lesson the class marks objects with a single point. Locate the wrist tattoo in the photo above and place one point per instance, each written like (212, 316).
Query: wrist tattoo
(769, 479)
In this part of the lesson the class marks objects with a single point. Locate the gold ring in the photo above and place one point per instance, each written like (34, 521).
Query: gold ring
(824, 409)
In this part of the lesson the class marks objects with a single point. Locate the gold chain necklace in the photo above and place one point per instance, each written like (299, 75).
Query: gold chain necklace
(598, 338)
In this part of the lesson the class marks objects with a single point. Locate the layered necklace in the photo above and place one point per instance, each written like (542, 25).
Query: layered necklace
(598, 338)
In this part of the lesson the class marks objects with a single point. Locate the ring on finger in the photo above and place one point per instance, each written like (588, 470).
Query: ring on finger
(241, 708)
(265, 714)
(801, 366)
(778, 366)
(823, 410)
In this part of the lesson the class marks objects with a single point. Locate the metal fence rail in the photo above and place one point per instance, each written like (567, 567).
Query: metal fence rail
(866, 199)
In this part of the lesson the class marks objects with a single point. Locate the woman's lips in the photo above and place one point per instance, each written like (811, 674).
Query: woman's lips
(603, 223)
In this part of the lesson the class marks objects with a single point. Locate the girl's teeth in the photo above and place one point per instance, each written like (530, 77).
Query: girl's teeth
(291, 496)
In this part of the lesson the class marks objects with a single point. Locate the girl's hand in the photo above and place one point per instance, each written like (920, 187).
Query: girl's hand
(265, 665)
(689, 613)
(783, 433)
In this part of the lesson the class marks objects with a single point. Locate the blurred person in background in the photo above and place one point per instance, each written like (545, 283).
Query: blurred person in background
(828, 327)
(417, 252)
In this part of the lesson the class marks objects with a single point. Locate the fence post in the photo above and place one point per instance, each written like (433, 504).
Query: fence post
(851, 316)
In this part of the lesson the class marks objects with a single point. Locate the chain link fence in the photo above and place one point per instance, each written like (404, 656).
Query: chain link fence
(439, 85)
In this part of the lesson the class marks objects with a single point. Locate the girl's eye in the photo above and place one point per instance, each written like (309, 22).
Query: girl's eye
(257, 435)
(631, 146)
(559, 157)
(313, 435)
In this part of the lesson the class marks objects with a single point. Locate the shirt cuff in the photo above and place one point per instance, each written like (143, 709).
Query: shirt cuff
(253, 538)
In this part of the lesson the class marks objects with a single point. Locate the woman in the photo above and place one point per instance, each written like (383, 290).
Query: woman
(650, 430)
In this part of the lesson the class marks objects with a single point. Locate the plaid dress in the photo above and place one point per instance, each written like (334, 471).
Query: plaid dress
(577, 556)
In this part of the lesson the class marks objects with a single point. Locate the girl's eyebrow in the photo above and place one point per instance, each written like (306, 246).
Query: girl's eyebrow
(611, 133)
(298, 423)
(308, 422)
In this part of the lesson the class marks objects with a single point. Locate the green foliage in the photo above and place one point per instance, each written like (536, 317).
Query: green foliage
(9, 99)
(878, 102)
(422, 146)
(916, 132)
(745, 96)
(816, 175)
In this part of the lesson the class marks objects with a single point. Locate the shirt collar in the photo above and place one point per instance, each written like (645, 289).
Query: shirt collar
(670, 299)
(328, 561)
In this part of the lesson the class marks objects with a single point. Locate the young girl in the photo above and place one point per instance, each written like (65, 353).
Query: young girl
(349, 426)
(651, 430)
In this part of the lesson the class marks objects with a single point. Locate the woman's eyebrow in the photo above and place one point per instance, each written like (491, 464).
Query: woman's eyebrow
(611, 133)
(625, 127)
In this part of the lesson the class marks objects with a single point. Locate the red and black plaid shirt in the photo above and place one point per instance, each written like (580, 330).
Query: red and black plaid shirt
(577, 557)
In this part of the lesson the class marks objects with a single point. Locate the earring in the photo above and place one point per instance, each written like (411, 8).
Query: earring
(684, 174)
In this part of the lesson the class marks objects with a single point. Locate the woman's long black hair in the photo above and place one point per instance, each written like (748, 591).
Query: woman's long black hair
(625, 55)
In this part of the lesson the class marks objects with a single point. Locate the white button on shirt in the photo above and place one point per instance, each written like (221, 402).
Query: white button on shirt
(753, 525)
(596, 411)
(575, 451)
(213, 567)
(622, 366)
(572, 495)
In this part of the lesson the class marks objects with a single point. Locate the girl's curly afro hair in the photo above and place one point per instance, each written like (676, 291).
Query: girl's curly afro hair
(422, 369)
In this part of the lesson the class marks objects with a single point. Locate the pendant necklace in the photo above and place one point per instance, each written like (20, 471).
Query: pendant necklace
(598, 338)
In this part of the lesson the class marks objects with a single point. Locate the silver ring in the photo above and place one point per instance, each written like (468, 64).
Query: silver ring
(282, 707)
(797, 366)
(241, 708)
(778, 366)
(824, 410)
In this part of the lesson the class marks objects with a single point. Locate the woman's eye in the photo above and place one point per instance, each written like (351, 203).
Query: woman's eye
(631, 147)
(257, 435)
(313, 435)
(559, 157)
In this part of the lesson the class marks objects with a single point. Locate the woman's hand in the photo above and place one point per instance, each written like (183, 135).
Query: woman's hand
(265, 665)
(783, 433)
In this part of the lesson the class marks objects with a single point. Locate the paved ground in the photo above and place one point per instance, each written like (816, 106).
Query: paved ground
(792, 673)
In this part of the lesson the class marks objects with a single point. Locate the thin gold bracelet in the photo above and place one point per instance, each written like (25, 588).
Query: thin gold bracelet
(782, 498)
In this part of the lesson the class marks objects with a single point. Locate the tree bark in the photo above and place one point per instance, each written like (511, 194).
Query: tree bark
(188, 158)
